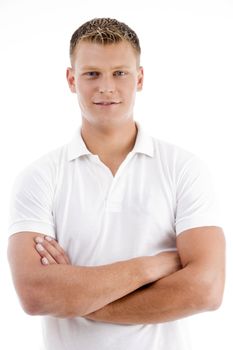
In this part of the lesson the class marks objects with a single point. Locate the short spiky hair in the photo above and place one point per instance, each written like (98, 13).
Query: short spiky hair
(104, 31)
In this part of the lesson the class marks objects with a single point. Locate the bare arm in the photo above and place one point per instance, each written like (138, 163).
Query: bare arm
(64, 290)
(197, 287)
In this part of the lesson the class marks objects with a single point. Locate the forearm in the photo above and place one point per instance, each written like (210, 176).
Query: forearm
(69, 291)
(173, 297)
(62, 290)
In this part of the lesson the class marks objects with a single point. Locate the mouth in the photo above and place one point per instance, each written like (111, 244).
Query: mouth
(106, 103)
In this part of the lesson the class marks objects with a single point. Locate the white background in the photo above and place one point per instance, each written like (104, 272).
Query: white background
(187, 100)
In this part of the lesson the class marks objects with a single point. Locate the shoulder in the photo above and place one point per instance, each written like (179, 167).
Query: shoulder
(171, 152)
(176, 159)
(44, 168)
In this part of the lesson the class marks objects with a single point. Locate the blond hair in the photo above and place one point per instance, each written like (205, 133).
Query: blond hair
(104, 31)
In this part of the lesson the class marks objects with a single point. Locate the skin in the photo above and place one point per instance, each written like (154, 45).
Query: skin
(63, 290)
(196, 287)
(106, 73)
(166, 286)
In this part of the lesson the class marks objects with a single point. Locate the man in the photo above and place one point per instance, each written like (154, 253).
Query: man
(114, 236)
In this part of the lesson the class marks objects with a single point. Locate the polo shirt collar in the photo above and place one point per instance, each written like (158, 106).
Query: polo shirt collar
(143, 144)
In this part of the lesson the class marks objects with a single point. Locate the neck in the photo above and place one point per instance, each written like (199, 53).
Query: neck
(114, 142)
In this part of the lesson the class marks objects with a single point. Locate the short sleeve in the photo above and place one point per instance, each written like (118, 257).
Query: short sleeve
(196, 203)
(31, 201)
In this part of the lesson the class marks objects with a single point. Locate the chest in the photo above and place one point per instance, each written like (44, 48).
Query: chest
(100, 218)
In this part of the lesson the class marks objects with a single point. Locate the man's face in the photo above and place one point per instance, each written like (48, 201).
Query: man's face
(105, 79)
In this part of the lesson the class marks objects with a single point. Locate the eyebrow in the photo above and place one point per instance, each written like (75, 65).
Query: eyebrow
(93, 68)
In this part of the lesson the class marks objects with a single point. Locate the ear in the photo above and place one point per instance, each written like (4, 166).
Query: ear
(71, 79)
(140, 78)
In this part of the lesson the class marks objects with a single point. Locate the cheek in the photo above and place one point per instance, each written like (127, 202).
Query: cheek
(130, 90)
(84, 92)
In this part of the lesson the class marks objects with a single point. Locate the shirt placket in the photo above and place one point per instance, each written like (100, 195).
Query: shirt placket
(109, 183)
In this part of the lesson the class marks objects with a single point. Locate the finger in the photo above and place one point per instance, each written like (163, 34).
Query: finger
(45, 261)
(55, 251)
(57, 254)
(46, 258)
(57, 246)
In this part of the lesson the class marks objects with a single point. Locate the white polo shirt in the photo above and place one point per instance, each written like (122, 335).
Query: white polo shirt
(158, 191)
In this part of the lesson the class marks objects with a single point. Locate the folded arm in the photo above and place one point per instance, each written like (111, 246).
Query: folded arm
(197, 287)
(64, 290)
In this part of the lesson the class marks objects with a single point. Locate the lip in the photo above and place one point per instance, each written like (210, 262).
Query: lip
(106, 103)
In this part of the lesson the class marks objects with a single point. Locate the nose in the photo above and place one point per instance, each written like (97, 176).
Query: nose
(106, 85)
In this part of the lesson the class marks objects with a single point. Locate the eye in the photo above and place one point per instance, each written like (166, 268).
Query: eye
(120, 73)
(92, 74)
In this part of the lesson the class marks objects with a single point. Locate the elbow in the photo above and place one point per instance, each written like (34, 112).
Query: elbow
(30, 301)
(31, 294)
(36, 301)
(205, 288)
(35, 304)
(30, 308)
(210, 295)
(214, 298)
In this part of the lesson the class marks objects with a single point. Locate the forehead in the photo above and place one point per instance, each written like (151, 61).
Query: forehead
(97, 55)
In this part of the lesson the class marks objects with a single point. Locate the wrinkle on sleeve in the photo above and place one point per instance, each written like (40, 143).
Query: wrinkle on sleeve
(195, 197)
(31, 200)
